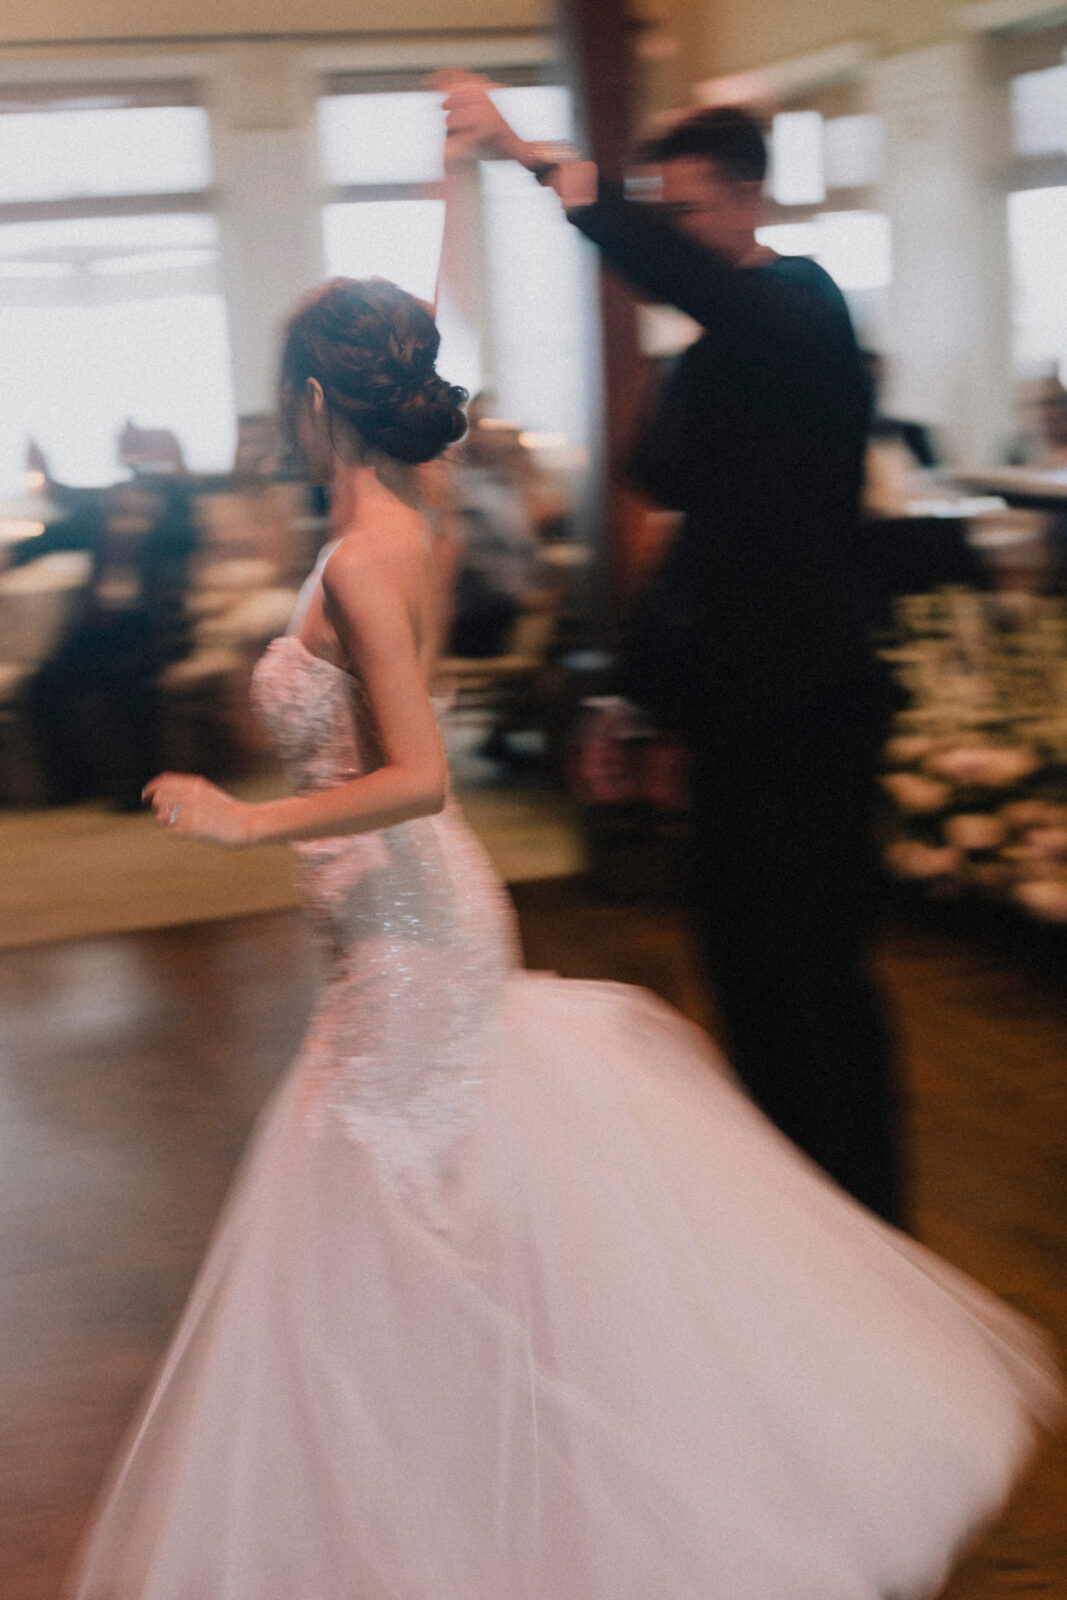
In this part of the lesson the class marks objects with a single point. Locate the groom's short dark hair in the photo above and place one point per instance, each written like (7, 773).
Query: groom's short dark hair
(728, 135)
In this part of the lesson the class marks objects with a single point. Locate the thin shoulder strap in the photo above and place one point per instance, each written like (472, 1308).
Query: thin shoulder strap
(307, 589)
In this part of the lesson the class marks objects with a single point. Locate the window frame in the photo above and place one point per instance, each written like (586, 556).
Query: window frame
(86, 288)
(1012, 56)
(91, 95)
(183, 83)
(404, 80)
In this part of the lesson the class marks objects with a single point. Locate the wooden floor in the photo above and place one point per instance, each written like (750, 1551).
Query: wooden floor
(132, 1067)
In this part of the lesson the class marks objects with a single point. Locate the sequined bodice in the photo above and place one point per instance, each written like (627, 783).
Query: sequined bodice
(417, 931)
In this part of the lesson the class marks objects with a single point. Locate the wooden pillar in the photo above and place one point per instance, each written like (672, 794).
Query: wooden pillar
(598, 39)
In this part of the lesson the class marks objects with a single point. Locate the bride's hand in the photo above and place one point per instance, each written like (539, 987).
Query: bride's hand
(473, 123)
(196, 809)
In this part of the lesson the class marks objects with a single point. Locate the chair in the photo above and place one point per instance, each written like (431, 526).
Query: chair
(482, 682)
(511, 692)
(36, 602)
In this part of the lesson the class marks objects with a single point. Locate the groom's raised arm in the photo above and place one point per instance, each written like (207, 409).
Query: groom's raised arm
(756, 316)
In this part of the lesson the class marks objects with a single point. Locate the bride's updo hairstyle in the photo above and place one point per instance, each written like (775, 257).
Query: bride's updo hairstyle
(372, 347)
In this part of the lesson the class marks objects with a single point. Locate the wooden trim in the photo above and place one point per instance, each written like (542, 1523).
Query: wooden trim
(1009, 16)
(73, 95)
(1012, 55)
(349, 193)
(865, 198)
(1036, 172)
(296, 36)
(785, 82)
(399, 80)
(418, 54)
(599, 41)
(118, 205)
(842, 98)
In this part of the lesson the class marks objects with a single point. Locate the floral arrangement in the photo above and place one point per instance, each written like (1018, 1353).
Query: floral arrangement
(976, 770)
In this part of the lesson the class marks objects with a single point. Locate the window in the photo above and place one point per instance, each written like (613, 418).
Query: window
(1039, 112)
(852, 151)
(391, 137)
(798, 176)
(853, 246)
(381, 147)
(395, 239)
(825, 163)
(1037, 200)
(535, 273)
(381, 155)
(60, 154)
(1037, 238)
(811, 154)
(110, 301)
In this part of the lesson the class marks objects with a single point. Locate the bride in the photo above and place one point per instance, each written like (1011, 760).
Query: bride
(516, 1296)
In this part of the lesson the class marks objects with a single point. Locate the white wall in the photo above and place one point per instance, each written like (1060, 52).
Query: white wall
(948, 320)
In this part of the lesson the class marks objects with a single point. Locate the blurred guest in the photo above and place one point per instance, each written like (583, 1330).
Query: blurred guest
(95, 706)
(1042, 445)
(1043, 441)
(897, 452)
(151, 452)
(259, 448)
(757, 645)
(71, 514)
(916, 437)
(500, 573)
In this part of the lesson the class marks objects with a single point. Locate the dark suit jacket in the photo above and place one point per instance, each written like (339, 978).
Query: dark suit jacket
(759, 440)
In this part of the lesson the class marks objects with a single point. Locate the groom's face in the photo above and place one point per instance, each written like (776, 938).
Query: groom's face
(720, 211)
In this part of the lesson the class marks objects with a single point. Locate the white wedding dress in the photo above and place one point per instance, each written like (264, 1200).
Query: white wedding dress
(517, 1297)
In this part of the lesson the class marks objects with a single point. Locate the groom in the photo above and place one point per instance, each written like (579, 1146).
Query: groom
(761, 652)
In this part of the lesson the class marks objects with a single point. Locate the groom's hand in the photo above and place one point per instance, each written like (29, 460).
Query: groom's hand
(473, 123)
(475, 128)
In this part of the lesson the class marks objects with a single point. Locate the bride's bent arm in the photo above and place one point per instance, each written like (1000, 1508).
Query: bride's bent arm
(373, 624)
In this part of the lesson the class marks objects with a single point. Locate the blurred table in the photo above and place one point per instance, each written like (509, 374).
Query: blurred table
(928, 546)
(1043, 490)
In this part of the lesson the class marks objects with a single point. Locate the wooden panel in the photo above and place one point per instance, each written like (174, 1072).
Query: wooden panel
(63, 21)
(598, 43)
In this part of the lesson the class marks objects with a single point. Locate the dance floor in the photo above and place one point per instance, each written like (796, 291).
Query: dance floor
(132, 1067)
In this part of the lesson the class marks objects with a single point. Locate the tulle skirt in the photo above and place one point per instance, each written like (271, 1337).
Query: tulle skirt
(637, 1349)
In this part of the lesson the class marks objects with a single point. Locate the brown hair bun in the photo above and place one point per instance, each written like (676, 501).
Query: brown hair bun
(372, 347)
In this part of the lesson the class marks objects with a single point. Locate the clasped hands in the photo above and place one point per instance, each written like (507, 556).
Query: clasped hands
(475, 128)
